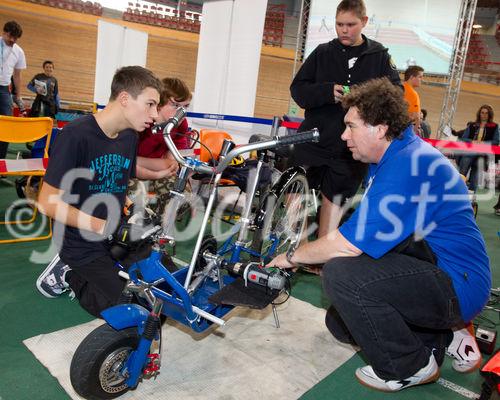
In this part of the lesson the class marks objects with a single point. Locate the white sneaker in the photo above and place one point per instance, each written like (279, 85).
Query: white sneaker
(368, 377)
(465, 352)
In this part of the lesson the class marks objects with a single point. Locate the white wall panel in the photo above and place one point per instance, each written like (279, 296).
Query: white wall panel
(228, 56)
(117, 46)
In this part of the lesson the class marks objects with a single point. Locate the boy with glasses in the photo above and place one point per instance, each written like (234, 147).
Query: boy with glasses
(154, 160)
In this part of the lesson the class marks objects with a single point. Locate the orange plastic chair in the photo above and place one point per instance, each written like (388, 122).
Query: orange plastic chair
(24, 130)
(213, 139)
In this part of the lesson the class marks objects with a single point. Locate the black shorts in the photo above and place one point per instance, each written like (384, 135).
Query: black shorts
(337, 181)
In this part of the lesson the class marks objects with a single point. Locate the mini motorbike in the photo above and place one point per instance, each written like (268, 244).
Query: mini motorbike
(116, 356)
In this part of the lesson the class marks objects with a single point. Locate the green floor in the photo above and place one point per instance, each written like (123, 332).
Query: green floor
(25, 313)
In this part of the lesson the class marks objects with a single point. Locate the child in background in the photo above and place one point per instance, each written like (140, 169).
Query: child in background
(175, 94)
(154, 160)
(46, 103)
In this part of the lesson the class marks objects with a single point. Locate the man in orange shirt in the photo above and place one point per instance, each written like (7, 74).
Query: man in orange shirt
(413, 79)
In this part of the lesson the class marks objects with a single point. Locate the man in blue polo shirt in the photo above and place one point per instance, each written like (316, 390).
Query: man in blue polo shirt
(410, 263)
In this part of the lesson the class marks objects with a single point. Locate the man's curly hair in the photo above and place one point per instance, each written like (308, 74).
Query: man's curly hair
(378, 101)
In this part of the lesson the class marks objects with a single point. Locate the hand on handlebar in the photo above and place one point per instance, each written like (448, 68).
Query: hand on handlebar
(281, 261)
(170, 169)
(129, 235)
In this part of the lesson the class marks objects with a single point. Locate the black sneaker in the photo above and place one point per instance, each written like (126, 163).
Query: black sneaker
(51, 282)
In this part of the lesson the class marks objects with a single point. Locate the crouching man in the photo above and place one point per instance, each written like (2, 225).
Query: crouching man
(410, 263)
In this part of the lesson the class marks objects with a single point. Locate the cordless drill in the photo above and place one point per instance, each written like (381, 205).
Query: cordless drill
(256, 273)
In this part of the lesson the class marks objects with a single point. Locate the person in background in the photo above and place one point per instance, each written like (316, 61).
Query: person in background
(13, 61)
(413, 79)
(16, 98)
(46, 103)
(152, 152)
(425, 128)
(482, 130)
(323, 79)
(154, 161)
(410, 264)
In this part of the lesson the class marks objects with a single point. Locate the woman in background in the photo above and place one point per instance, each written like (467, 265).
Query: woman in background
(483, 130)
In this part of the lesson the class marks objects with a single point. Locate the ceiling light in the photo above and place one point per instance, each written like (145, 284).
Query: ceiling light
(476, 26)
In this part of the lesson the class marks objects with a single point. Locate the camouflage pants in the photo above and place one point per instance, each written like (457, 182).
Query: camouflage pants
(154, 194)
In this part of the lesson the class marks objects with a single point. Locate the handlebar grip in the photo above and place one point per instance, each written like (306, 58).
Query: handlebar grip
(179, 115)
(124, 275)
(173, 121)
(303, 137)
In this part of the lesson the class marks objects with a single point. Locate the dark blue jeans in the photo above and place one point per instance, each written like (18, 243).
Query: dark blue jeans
(472, 163)
(397, 309)
(5, 109)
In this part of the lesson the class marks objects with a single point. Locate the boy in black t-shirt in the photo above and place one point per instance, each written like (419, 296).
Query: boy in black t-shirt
(85, 187)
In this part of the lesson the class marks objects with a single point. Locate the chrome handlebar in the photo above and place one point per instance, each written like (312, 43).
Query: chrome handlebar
(166, 127)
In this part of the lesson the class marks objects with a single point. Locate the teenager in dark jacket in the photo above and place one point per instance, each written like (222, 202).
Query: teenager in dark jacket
(318, 87)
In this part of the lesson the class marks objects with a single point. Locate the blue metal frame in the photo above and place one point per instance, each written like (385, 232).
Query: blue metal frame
(236, 249)
(177, 304)
(124, 316)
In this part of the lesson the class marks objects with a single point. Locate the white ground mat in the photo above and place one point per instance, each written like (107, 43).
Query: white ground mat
(249, 358)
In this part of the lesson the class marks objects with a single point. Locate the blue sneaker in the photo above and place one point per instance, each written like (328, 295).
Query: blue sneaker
(51, 282)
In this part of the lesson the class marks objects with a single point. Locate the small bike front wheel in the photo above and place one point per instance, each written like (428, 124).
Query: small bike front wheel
(283, 211)
(97, 365)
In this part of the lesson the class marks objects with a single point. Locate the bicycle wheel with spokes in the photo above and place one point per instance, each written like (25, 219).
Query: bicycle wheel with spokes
(281, 218)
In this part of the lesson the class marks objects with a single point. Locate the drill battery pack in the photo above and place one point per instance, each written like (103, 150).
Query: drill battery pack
(486, 340)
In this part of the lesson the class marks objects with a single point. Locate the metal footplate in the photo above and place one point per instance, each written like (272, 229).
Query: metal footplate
(252, 295)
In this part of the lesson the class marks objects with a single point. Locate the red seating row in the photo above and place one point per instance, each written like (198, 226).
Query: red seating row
(87, 7)
(170, 9)
(165, 14)
(274, 25)
(174, 4)
(154, 18)
(477, 53)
